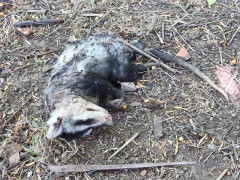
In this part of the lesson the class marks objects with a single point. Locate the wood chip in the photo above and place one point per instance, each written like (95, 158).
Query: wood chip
(25, 31)
(14, 160)
(162, 147)
(158, 128)
(144, 172)
(183, 54)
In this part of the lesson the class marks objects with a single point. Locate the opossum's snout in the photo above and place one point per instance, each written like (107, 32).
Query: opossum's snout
(106, 118)
(55, 128)
(100, 115)
(76, 118)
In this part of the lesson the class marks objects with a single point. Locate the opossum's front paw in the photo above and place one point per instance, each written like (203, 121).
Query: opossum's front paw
(118, 94)
(114, 104)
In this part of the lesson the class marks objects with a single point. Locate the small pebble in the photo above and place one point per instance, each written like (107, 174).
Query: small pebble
(124, 107)
(234, 62)
(97, 18)
(180, 139)
(229, 173)
(146, 100)
(29, 174)
(154, 67)
(143, 173)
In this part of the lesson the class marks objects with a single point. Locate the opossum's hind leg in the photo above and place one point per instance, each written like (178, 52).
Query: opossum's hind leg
(95, 85)
(134, 73)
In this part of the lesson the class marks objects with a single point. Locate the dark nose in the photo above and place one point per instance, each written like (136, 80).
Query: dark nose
(109, 117)
(109, 120)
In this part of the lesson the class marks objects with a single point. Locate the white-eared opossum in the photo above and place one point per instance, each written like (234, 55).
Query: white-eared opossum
(84, 76)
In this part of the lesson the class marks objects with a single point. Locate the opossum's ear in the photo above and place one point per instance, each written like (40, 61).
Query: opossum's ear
(55, 129)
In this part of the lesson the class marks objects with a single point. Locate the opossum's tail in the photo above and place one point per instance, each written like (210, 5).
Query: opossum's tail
(170, 58)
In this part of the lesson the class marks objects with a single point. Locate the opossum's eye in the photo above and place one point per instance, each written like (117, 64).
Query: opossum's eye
(86, 122)
(55, 129)
(59, 120)
(90, 109)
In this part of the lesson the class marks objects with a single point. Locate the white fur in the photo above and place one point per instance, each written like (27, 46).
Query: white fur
(74, 108)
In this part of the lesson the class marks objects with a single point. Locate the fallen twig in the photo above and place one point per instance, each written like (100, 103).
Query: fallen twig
(125, 144)
(38, 22)
(85, 168)
(222, 174)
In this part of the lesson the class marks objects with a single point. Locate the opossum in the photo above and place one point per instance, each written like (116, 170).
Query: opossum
(84, 77)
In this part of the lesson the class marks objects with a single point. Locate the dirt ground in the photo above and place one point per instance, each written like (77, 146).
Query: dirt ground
(187, 105)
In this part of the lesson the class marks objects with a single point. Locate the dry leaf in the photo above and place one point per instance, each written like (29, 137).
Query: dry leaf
(211, 2)
(162, 148)
(14, 160)
(183, 54)
(144, 172)
(2, 14)
(14, 19)
(17, 126)
(29, 164)
(227, 82)
(38, 170)
(25, 31)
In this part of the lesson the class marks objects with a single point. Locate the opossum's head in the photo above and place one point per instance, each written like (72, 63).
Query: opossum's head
(76, 117)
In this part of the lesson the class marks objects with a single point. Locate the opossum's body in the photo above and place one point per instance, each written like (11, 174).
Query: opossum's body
(84, 76)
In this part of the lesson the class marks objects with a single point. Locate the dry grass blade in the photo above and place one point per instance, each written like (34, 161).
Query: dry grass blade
(125, 144)
(14, 160)
(85, 168)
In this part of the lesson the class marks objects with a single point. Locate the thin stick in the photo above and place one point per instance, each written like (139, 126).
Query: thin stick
(49, 10)
(182, 38)
(163, 31)
(38, 22)
(12, 116)
(125, 144)
(234, 35)
(85, 168)
(92, 15)
(222, 174)
(159, 37)
(220, 53)
(147, 55)
(208, 156)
